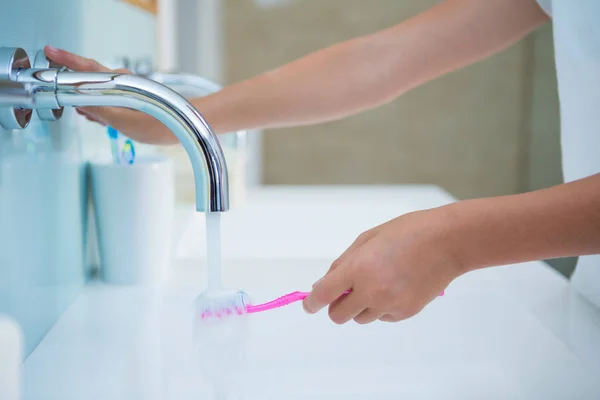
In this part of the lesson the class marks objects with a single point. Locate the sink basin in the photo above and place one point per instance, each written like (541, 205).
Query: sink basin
(304, 223)
(475, 343)
(483, 340)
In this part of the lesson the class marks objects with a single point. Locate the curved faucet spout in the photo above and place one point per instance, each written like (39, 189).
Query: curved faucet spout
(79, 89)
(199, 85)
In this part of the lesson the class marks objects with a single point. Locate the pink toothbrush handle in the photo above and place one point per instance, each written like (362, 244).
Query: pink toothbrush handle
(279, 302)
(284, 301)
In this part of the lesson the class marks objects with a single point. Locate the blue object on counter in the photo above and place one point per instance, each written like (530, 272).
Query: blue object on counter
(113, 135)
(124, 155)
(128, 152)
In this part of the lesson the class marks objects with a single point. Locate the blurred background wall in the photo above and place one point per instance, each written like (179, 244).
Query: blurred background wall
(489, 129)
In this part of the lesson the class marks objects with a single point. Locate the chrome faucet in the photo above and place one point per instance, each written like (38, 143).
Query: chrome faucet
(47, 89)
(201, 86)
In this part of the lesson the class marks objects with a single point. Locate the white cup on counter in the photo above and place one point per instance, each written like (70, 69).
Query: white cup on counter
(134, 211)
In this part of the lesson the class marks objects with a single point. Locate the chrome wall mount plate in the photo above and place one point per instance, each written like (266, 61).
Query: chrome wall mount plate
(12, 60)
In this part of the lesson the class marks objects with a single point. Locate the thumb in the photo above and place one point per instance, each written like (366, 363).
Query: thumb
(328, 289)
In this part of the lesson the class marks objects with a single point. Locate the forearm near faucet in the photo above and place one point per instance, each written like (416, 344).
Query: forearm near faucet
(363, 73)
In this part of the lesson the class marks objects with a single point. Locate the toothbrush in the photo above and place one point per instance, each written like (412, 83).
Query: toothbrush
(124, 156)
(113, 135)
(128, 153)
(238, 305)
(284, 301)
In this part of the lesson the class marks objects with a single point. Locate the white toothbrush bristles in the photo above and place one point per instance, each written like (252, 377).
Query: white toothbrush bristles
(221, 304)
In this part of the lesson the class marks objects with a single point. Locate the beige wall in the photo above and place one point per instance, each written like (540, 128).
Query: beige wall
(543, 168)
(544, 165)
(468, 131)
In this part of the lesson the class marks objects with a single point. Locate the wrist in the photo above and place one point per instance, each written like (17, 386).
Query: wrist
(456, 222)
(558, 222)
(444, 235)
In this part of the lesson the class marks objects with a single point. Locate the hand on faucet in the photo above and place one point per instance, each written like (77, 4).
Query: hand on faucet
(136, 125)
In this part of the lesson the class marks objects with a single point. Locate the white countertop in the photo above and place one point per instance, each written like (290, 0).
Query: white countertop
(514, 332)
(304, 222)
(476, 342)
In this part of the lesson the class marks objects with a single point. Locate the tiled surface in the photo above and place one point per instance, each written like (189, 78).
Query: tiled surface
(42, 183)
(134, 38)
(42, 188)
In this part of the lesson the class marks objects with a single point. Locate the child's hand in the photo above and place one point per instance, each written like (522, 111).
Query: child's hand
(394, 270)
(136, 125)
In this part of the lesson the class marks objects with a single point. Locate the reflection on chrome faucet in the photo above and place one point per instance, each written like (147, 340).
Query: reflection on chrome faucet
(198, 83)
(52, 89)
(200, 86)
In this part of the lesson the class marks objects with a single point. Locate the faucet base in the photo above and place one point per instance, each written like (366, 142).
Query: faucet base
(12, 60)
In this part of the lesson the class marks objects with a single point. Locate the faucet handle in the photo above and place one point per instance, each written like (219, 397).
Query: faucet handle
(12, 60)
(43, 62)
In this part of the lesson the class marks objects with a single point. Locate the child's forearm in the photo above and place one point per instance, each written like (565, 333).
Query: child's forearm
(366, 72)
(561, 221)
